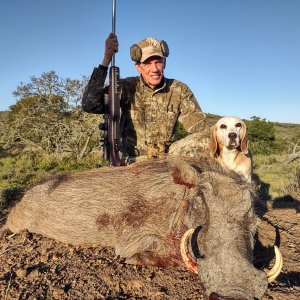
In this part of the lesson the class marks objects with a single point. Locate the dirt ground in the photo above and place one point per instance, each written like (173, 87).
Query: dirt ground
(34, 267)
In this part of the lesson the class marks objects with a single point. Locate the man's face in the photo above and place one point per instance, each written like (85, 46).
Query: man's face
(152, 70)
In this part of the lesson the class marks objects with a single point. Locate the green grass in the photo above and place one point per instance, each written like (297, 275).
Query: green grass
(25, 170)
(18, 173)
(274, 174)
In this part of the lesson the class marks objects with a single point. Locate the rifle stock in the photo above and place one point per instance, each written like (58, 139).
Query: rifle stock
(111, 120)
(114, 116)
(104, 127)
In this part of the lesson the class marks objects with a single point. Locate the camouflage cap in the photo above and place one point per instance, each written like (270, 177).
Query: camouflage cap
(150, 47)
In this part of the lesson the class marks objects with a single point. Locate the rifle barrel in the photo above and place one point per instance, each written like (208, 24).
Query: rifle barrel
(113, 26)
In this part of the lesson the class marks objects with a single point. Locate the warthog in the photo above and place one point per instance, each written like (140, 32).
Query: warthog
(143, 210)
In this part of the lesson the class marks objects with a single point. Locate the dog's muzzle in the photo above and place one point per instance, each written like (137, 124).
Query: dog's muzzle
(232, 139)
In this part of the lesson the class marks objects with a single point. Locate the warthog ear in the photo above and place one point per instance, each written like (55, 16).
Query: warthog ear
(183, 173)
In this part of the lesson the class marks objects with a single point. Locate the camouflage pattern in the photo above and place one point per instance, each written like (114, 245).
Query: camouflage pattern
(149, 118)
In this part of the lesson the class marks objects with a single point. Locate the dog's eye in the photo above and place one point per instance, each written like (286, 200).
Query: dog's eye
(238, 125)
(223, 126)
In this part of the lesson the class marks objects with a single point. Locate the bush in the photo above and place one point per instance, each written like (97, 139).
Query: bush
(261, 135)
(265, 147)
(180, 132)
(260, 130)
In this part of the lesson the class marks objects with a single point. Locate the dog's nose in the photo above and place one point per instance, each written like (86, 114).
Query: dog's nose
(232, 135)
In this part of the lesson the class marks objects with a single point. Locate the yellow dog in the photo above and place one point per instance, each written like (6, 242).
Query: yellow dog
(229, 145)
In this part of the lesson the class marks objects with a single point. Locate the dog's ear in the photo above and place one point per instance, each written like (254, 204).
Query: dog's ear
(213, 145)
(244, 140)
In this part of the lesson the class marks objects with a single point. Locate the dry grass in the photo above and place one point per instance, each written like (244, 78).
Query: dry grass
(293, 189)
(275, 174)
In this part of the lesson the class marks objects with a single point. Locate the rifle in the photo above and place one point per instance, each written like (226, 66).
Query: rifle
(111, 124)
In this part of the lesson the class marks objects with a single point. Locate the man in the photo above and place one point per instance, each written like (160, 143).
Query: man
(151, 104)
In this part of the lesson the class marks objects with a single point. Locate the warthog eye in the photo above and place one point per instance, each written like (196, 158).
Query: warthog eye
(223, 126)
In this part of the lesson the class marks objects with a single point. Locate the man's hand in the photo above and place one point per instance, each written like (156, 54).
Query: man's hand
(111, 47)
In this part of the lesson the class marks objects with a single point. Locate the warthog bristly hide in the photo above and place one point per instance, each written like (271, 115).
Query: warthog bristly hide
(142, 210)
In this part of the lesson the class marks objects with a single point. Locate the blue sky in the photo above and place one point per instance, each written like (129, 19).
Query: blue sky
(240, 57)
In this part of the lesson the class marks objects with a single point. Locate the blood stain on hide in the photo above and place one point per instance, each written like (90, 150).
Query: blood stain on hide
(153, 259)
(136, 213)
(103, 221)
(179, 180)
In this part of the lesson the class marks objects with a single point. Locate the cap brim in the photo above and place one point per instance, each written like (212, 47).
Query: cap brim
(146, 56)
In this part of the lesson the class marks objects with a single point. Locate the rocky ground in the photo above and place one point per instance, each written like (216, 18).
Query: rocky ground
(34, 267)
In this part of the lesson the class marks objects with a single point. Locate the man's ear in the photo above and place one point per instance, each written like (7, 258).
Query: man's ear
(138, 67)
(165, 62)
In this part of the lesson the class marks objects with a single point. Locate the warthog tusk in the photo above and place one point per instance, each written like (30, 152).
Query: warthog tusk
(275, 271)
(190, 263)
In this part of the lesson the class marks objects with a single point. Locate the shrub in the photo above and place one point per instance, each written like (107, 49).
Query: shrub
(260, 130)
(180, 132)
(261, 135)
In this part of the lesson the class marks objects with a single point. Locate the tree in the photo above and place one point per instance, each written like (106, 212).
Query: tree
(47, 115)
(49, 85)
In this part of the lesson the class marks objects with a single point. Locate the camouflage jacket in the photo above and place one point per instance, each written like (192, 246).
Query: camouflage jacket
(149, 118)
